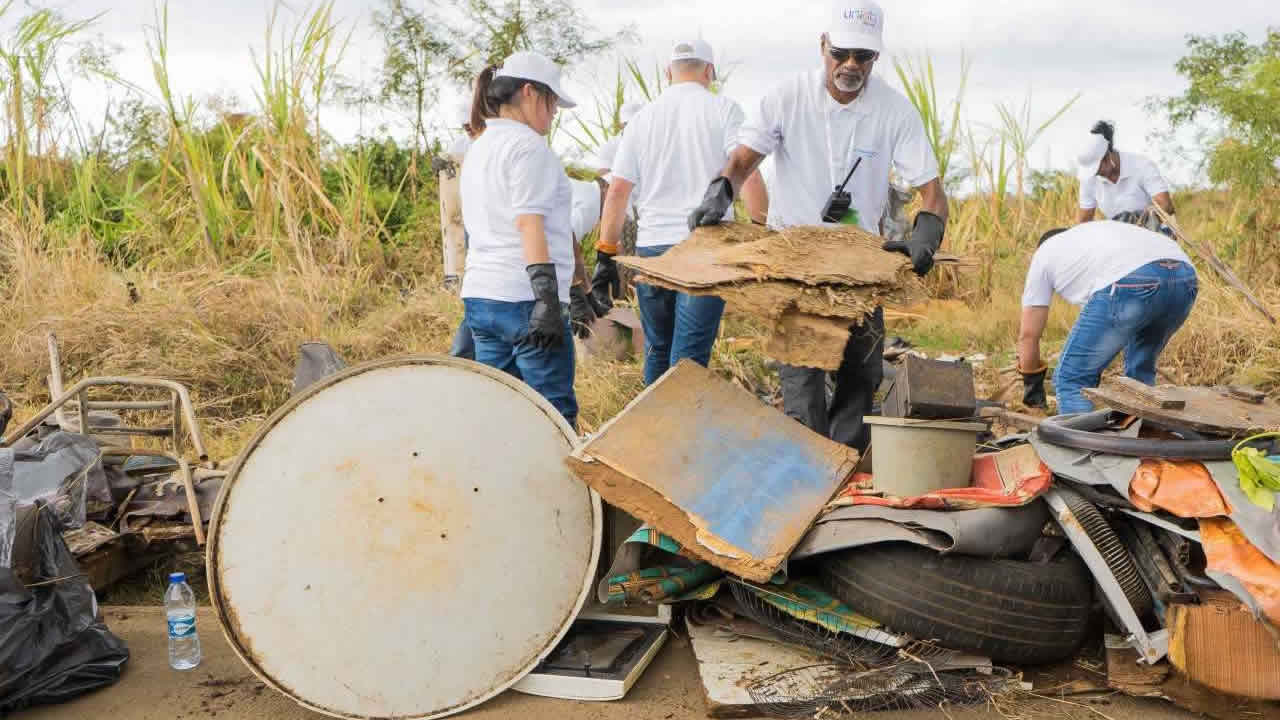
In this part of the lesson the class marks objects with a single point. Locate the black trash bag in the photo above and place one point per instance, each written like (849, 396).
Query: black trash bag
(316, 361)
(53, 647)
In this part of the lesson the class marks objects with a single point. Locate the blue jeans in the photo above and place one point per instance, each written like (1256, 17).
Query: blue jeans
(1138, 314)
(676, 325)
(500, 328)
(464, 346)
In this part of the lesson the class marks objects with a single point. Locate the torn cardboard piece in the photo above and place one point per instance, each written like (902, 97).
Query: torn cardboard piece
(734, 481)
(810, 283)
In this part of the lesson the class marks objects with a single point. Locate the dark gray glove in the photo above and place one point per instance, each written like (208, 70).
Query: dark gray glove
(926, 238)
(546, 323)
(1033, 394)
(606, 284)
(441, 163)
(581, 313)
(714, 204)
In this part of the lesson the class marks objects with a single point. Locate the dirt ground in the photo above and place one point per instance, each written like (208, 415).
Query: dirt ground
(223, 688)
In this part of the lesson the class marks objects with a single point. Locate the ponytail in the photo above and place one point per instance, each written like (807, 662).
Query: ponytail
(492, 92)
(1107, 131)
(480, 109)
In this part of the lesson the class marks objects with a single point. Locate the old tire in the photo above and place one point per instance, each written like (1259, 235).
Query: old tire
(1008, 610)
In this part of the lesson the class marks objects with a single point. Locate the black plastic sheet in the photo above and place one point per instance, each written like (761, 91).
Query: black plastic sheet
(53, 647)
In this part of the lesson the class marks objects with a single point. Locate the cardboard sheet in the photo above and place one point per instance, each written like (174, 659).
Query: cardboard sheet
(734, 481)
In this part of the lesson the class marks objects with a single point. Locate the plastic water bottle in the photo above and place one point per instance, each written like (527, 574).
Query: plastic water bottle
(180, 609)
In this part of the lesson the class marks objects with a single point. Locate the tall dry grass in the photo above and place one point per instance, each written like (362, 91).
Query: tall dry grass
(248, 235)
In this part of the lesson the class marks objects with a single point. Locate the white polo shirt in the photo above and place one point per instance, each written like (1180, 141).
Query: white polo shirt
(815, 140)
(1091, 256)
(585, 215)
(1140, 181)
(510, 170)
(671, 151)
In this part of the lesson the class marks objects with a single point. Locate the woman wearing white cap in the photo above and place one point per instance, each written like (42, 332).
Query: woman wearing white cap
(1120, 184)
(516, 202)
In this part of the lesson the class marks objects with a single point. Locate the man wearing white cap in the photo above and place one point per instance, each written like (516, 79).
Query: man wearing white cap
(1122, 185)
(822, 127)
(669, 152)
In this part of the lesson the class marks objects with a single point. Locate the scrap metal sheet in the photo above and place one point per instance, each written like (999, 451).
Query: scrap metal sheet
(734, 481)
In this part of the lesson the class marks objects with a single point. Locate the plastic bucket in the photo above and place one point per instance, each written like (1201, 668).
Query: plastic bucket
(912, 457)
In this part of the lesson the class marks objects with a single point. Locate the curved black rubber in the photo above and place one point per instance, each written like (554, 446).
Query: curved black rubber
(1008, 610)
(1113, 550)
(1075, 431)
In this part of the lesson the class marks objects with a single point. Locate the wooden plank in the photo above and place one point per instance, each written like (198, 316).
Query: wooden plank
(728, 664)
(1210, 410)
(1156, 397)
(734, 481)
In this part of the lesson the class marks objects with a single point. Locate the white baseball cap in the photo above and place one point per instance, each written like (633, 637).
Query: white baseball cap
(693, 49)
(1091, 155)
(525, 65)
(856, 26)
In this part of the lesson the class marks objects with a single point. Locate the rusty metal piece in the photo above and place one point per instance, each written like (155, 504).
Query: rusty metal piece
(188, 484)
(181, 398)
(931, 389)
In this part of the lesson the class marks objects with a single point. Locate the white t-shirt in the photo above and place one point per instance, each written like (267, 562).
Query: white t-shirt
(1091, 256)
(671, 151)
(1140, 181)
(815, 140)
(511, 171)
(586, 207)
(607, 153)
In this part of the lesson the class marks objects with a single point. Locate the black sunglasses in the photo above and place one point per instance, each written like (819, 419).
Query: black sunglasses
(861, 57)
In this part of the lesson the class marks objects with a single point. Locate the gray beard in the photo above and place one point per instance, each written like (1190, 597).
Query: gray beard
(847, 84)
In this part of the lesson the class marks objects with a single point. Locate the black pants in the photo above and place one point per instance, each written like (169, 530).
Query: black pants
(804, 390)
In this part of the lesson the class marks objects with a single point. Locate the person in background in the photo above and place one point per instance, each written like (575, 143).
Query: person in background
(588, 203)
(668, 154)
(817, 126)
(516, 203)
(463, 344)
(1137, 288)
(608, 150)
(1122, 185)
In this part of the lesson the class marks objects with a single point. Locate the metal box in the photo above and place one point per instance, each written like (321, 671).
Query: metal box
(931, 390)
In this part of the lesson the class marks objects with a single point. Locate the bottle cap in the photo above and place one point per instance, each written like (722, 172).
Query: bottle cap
(177, 577)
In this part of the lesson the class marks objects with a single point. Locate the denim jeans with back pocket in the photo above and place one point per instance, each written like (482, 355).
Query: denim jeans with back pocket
(1137, 314)
(500, 329)
(676, 325)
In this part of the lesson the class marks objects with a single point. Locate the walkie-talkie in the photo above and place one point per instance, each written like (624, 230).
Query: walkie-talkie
(840, 201)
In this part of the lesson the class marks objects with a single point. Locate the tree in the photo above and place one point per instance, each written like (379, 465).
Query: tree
(485, 32)
(1233, 92)
(414, 54)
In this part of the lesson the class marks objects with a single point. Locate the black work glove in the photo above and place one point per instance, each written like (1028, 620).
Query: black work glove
(926, 238)
(606, 284)
(1033, 394)
(714, 204)
(546, 323)
(441, 163)
(581, 313)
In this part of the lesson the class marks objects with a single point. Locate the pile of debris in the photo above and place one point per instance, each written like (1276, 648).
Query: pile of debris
(80, 508)
(809, 284)
(895, 581)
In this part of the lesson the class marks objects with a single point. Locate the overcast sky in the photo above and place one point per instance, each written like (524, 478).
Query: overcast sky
(1117, 53)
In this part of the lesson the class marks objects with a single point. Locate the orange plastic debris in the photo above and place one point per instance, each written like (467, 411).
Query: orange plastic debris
(1182, 487)
(1228, 551)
